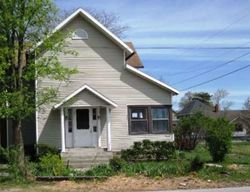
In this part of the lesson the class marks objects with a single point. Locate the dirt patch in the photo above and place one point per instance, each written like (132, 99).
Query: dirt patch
(123, 183)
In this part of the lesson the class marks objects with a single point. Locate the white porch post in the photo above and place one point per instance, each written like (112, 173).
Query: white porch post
(98, 126)
(108, 115)
(62, 130)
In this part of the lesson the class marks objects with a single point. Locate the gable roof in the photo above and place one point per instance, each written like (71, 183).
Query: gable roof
(96, 93)
(197, 106)
(151, 79)
(232, 115)
(134, 59)
(98, 25)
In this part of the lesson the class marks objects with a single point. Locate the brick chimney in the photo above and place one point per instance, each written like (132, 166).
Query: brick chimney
(216, 108)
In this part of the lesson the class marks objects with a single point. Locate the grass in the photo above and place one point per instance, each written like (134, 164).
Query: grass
(236, 167)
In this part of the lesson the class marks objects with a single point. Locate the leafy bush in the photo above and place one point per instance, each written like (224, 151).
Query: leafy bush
(148, 150)
(190, 131)
(116, 163)
(44, 149)
(196, 163)
(219, 138)
(11, 155)
(51, 165)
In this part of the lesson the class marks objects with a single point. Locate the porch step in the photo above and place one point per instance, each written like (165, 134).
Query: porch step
(4, 172)
(85, 158)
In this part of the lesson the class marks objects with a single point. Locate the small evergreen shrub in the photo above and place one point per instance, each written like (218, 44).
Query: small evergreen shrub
(116, 163)
(219, 138)
(149, 150)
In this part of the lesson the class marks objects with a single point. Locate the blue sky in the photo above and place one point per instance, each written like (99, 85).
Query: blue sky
(182, 23)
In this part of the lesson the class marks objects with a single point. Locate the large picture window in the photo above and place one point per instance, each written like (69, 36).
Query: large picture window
(148, 119)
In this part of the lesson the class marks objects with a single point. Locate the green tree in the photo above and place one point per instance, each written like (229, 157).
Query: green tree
(219, 138)
(190, 131)
(23, 24)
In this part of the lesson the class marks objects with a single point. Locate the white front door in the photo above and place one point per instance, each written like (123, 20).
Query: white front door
(81, 127)
(82, 133)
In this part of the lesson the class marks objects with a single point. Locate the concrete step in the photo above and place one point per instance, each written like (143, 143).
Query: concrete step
(86, 155)
(85, 158)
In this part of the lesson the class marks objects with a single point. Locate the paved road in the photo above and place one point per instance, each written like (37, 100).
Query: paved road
(232, 189)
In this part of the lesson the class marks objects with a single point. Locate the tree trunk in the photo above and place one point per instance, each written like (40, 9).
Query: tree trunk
(20, 147)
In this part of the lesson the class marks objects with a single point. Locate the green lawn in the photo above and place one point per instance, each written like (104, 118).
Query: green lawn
(235, 168)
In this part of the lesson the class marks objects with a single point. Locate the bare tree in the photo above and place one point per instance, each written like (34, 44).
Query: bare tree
(245, 113)
(246, 104)
(226, 105)
(219, 99)
(109, 19)
(219, 95)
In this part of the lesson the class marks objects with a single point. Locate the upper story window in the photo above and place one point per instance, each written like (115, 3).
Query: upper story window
(79, 34)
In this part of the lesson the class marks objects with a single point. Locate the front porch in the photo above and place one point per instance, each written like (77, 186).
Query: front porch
(85, 117)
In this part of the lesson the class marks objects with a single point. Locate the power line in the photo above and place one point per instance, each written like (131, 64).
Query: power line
(188, 48)
(216, 78)
(207, 67)
(213, 69)
(218, 32)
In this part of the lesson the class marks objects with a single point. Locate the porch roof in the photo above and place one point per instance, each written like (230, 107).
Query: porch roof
(85, 87)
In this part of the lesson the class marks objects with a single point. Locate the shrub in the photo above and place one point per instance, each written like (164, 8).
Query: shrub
(219, 138)
(51, 165)
(148, 150)
(196, 163)
(44, 149)
(116, 163)
(11, 155)
(190, 131)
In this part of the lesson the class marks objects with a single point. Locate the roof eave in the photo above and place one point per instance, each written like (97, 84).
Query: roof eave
(151, 79)
(100, 26)
(80, 90)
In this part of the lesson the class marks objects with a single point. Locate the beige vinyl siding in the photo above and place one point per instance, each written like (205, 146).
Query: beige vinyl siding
(86, 99)
(101, 66)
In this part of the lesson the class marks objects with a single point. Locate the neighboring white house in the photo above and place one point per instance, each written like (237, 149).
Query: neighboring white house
(109, 103)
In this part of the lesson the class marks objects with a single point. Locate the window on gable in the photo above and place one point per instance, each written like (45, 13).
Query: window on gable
(148, 119)
(79, 34)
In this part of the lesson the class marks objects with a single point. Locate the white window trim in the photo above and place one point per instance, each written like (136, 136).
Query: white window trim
(78, 37)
